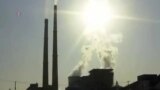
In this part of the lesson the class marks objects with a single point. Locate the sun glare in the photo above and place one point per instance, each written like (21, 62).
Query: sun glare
(96, 14)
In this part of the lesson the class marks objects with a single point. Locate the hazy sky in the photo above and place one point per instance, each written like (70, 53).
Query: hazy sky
(21, 39)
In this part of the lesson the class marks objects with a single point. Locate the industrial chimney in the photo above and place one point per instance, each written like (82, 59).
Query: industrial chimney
(45, 55)
(55, 55)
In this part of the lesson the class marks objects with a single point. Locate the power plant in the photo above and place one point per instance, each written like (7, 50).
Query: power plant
(45, 85)
(98, 79)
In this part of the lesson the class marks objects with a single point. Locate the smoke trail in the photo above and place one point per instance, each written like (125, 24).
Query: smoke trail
(105, 49)
(103, 43)
(86, 57)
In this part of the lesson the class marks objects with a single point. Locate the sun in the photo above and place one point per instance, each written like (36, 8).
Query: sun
(97, 14)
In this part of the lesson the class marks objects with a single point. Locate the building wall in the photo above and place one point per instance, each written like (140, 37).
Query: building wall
(99, 79)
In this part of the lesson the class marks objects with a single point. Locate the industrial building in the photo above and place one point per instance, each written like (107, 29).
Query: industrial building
(145, 82)
(102, 79)
(99, 79)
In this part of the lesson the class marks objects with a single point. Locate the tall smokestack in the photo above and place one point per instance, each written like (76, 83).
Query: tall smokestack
(45, 55)
(55, 55)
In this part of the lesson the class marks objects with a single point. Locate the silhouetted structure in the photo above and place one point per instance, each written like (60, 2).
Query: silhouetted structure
(102, 79)
(45, 55)
(35, 87)
(145, 82)
(54, 85)
(55, 54)
(99, 79)
(45, 63)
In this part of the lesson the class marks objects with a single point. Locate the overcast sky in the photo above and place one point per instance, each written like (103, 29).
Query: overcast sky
(21, 39)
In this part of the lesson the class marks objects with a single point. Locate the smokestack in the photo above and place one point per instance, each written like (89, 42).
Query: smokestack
(55, 55)
(45, 55)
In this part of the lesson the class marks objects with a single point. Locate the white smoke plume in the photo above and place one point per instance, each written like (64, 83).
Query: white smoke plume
(103, 44)
(86, 57)
(105, 48)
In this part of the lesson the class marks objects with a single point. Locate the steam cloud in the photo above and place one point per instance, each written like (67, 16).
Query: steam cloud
(103, 44)
(86, 57)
